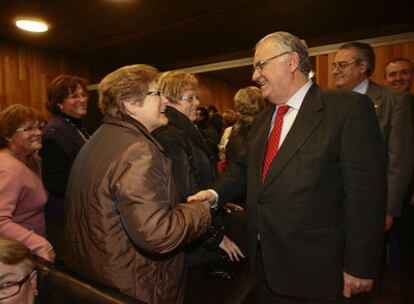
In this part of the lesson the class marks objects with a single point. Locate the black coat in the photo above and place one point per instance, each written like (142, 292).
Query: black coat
(237, 141)
(194, 167)
(62, 139)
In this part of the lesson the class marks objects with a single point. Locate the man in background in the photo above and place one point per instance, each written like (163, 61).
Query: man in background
(399, 74)
(353, 65)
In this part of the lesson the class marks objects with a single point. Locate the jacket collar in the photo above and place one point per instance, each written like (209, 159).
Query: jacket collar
(183, 123)
(132, 124)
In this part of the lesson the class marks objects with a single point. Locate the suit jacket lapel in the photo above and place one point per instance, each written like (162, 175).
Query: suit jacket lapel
(374, 93)
(308, 118)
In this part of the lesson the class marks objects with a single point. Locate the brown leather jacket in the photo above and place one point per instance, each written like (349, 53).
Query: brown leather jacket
(123, 225)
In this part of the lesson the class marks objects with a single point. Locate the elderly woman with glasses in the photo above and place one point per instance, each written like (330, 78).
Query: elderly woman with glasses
(194, 166)
(124, 227)
(62, 140)
(17, 274)
(22, 195)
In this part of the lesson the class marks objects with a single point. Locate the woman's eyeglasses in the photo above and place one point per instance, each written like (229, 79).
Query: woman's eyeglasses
(32, 128)
(155, 93)
(190, 98)
(10, 289)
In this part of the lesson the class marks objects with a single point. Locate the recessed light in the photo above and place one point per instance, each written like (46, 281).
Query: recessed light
(32, 25)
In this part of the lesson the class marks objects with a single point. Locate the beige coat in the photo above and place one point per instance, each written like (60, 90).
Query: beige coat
(123, 225)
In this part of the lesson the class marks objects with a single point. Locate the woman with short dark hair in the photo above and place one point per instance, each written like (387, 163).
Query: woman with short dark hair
(62, 139)
(22, 195)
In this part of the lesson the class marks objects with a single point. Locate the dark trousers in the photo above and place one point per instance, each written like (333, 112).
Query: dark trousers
(407, 254)
(265, 295)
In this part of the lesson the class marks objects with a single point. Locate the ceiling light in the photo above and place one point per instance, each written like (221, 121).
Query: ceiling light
(32, 25)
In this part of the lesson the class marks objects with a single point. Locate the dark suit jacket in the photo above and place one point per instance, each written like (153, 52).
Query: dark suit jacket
(395, 119)
(321, 208)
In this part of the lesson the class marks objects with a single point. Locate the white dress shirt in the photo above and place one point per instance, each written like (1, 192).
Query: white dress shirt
(294, 104)
(362, 87)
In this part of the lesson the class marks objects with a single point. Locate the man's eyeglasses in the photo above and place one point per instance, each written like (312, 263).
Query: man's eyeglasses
(10, 289)
(341, 65)
(155, 93)
(261, 64)
(190, 98)
(79, 96)
(32, 128)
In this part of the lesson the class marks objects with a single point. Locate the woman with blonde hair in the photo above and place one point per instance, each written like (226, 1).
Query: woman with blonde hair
(248, 102)
(193, 168)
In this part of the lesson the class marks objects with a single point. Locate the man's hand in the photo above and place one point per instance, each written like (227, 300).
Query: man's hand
(230, 207)
(354, 285)
(389, 219)
(202, 195)
(232, 250)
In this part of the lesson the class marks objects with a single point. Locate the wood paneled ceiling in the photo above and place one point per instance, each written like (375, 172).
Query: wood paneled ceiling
(176, 33)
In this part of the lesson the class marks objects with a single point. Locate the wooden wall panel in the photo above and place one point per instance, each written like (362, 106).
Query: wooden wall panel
(25, 72)
(321, 65)
(216, 92)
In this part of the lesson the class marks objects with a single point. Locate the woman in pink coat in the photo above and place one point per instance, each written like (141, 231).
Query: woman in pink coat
(22, 195)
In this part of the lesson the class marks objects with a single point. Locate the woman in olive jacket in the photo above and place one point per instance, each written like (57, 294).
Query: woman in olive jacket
(124, 226)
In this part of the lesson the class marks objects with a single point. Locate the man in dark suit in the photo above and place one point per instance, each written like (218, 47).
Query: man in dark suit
(399, 74)
(354, 63)
(315, 179)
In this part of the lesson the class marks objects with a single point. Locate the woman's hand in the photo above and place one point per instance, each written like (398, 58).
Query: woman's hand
(232, 250)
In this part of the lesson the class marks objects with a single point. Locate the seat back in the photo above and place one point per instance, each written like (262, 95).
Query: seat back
(58, 285)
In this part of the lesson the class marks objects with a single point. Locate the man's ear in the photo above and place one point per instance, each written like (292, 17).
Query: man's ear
(294, 62)
(363, 66)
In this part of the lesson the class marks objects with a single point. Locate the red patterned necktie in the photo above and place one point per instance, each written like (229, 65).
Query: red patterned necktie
(274, 138)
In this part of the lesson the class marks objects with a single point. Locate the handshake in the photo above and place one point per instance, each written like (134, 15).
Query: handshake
(211, 197)
(216, 236)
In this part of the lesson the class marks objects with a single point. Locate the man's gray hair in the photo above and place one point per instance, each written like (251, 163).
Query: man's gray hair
(290, 43)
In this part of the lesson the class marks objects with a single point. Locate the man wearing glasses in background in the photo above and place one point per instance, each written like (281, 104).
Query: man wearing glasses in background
(314, 173)
(353, 65)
